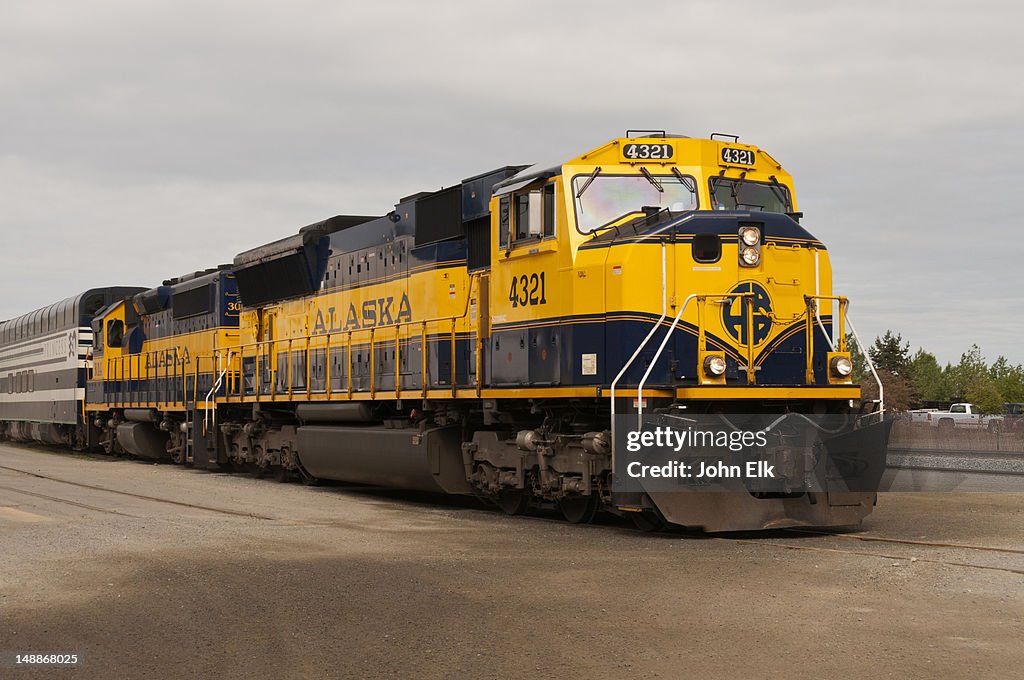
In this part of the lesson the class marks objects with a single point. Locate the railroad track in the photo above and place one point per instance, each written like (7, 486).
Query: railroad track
(948, 460)
(957, 452)
(891, 556)
(130, 494)
(765, 542)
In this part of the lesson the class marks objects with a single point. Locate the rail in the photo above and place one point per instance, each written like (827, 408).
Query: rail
(813, 314)
(840, 344)
(127, 378)
(643, 343)
(747, 298)
(702, 300)
(871, 365)
(266, 356)
(128, 372)
(213, 390)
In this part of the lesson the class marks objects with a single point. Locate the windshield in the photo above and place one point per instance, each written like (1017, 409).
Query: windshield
(738, 194)
(609, 198)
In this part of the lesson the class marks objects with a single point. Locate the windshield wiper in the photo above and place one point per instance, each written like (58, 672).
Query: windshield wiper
(779, 192)
(685, 181)
(732, 190)
(650, 178)
(593, 176)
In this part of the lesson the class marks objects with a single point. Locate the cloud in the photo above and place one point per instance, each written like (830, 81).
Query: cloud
(144, 139)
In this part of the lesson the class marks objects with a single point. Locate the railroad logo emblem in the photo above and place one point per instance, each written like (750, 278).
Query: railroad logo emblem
(734, 314)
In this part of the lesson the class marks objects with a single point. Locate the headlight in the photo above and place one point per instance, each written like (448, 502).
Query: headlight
(714, 365)
(750, 235)
(750, 256)
(842, 366)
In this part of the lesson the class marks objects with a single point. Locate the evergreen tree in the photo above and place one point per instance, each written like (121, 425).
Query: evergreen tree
(911, 379)
(890, 352)
(926, 377)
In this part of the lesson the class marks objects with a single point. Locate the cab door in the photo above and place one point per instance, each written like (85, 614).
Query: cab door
(115, 360)
(526, 341)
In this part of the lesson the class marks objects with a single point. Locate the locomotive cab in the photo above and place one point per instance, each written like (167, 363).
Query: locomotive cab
(586, 255)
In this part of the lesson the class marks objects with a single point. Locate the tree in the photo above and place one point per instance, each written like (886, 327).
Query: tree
(891, 353)
(970, 372)
(899, 395)
(911, 379)
(972, 380)
(1009, 380)
(925, 377)
(985, 396)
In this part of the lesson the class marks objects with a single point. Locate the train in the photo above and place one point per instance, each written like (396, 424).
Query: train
(482, 339)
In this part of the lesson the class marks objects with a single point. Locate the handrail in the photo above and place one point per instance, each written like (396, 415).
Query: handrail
(817, 311)
(398, 364)
(812, 309)
(657, 354)
(452, 361)
(372, 364)
(348, 358)
(871, 365)
(701, 299)
(327, 363)
(640, 347)
(213, 390)
(130, 371)
(311, 339)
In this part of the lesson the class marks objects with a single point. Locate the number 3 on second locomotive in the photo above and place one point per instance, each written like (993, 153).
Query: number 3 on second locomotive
(527, 289)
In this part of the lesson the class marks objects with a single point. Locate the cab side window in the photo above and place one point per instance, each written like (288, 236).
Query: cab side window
(115, 332)
(527, 216)
(534, 213)
(504, 212)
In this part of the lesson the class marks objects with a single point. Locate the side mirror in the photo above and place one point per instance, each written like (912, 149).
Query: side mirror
(536, 219)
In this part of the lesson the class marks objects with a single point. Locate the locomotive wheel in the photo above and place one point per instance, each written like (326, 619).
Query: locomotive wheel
(175, 451)
(579, 509)
(512, 501)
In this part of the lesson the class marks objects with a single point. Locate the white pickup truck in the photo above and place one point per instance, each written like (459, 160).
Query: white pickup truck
(960, 415)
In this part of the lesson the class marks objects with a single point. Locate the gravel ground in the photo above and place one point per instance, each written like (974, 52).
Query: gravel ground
(151, 571)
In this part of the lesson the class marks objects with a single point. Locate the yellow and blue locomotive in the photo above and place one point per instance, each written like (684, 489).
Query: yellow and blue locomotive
(483, 338)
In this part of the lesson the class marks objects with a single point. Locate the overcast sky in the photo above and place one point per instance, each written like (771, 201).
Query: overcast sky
(141, 140)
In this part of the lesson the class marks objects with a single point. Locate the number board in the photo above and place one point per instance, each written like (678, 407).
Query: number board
(647, 152)
(528, 289)
(733, 156)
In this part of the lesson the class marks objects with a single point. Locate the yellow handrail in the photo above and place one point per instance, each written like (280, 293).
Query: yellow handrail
(311, 343)
(812, 303)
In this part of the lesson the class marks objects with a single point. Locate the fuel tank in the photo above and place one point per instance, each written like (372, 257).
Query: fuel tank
(143, 440)
(380, 456)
